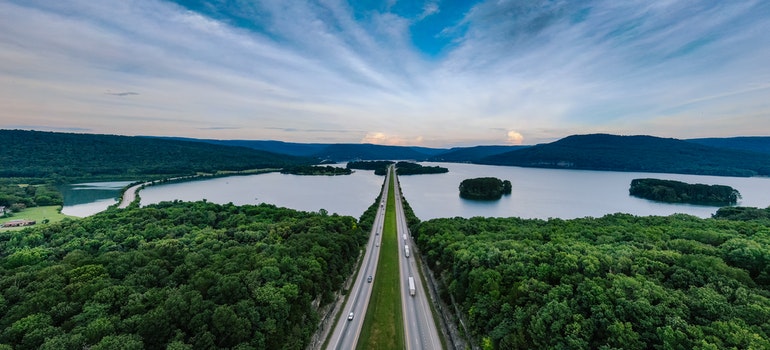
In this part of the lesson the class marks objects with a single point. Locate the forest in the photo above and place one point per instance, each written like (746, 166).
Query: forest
(18, 197)
(616, 282)
(174, 276)
(671, 191)
(62, 157)
(484, 188)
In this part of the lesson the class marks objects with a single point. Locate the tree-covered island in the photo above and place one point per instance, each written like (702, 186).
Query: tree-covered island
(380, 167)
(484, 188)
(409, 168)
(680, 192)
(316, 170)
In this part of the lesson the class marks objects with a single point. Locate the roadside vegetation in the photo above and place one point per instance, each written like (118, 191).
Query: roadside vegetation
(616, 282)
(384, 324)
(174, 275)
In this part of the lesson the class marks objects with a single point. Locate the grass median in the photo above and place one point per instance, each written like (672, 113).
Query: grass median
(384, 323)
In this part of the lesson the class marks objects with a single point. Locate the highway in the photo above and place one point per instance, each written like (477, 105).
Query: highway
(346, 331)
(420, 330)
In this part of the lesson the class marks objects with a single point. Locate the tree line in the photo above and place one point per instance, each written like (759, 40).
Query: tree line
(616, 282)
(174, 276)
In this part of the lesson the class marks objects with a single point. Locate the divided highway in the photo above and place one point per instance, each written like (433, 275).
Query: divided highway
(346, 332)
(419, 327)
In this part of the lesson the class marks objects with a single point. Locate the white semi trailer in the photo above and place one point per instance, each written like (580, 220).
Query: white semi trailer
(411, 286)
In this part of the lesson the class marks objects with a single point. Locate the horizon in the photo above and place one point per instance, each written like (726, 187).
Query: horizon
(434, 73)
(379, 144)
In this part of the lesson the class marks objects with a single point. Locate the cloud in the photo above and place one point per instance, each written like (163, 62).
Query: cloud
(380, 138)
(122, 94)
(301, 70)
(514, 138)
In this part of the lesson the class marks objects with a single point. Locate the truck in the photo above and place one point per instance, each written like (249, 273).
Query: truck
(406, 250)
(411, 286)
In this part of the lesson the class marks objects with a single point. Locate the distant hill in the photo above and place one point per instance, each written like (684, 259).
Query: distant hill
(759, 144)
(636, 153)
(45, 154)
(289, 148)
(338, 152)
(472, 154)
(347, 151)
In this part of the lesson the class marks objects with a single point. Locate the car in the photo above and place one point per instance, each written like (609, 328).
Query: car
(350, 316)
(369, 279)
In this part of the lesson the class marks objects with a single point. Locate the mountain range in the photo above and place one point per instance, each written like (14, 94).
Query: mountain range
(736, 156)
(33, 152)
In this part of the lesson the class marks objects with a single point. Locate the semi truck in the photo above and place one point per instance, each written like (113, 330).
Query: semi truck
(411, 286)
(406, 250)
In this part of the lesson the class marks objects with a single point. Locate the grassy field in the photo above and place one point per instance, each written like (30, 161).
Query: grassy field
(36, 213)
(384, 323)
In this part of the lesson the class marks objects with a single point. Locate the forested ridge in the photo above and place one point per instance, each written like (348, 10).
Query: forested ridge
(616, 282)
(174, 275)
(636, 153)
(37, 154)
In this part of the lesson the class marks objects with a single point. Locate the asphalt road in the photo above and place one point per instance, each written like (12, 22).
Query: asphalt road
(346, 331)
(420, 329)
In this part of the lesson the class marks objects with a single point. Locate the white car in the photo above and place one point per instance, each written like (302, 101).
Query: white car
(350, 316)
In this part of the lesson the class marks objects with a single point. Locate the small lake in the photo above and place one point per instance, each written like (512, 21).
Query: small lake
(536, 193)
(89, 198)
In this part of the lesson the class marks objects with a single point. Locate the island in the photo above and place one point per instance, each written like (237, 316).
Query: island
(370, 165)
(316, 170)
(410, 168)
(672, 191)
(380, 167)
(484, 188)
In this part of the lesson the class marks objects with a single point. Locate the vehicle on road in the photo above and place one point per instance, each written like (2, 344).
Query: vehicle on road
(406, 250)
(411, 286)
(350, 316)
(369, 279)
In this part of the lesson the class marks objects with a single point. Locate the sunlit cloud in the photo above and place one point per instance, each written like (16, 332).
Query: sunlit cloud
(379, 138)
(515, 138)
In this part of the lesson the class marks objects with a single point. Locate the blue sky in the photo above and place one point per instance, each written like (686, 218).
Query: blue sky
(431, 73)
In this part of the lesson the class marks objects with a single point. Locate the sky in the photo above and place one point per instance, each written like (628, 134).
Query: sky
(434, 73)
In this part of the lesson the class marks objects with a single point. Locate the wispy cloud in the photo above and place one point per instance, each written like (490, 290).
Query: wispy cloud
(429, 72)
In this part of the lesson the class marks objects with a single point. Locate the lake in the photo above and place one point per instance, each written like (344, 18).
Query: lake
(536, 193)
(85, 199)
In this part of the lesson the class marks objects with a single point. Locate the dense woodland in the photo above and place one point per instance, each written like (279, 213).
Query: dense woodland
(617, 282)
(17, 197)
(174, 276)
(671, 191)
(484, 188)
(636, 153)
(63, 156)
